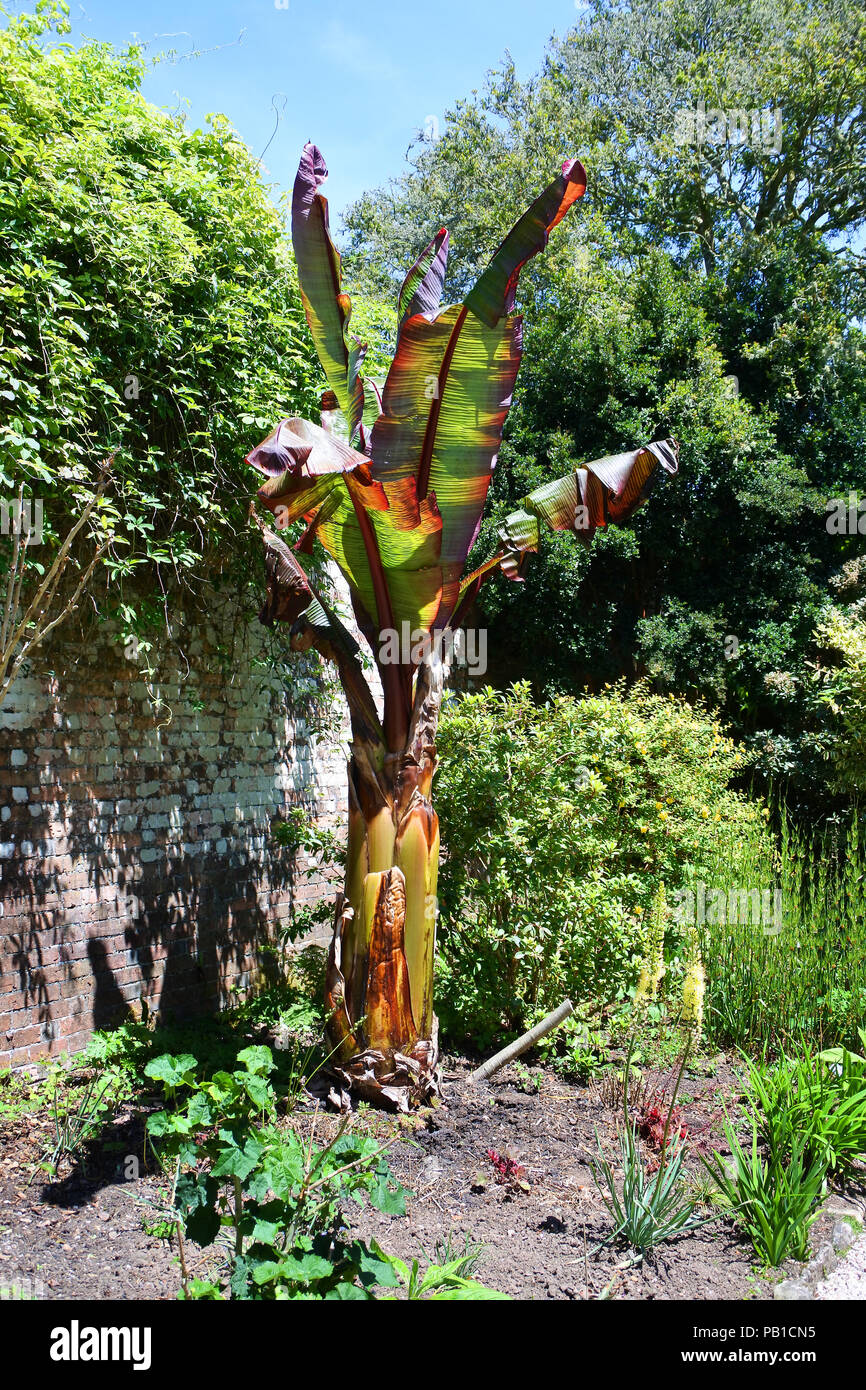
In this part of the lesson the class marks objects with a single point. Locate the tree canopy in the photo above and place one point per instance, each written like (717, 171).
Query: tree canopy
(713, 289)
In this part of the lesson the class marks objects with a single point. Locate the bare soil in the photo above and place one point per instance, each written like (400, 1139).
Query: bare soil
(544, 1243)
(89, 1233)
(82, 1235)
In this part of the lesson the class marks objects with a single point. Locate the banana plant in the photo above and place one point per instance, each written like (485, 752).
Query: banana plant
(397, 504)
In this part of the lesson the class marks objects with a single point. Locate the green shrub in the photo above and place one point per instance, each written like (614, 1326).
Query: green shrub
(270, 1201)
(277, 1195)
(776, 1199)
(819, 1099)
(839, 690)
(559, 821)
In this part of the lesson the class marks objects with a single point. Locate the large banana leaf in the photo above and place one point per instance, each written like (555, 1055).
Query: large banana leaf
(444, 404)
(450, 386)
(405, 557)
(421, 292)
(314, 475)
(493, 294)
(606, 490)
(401, 514)
(310, 473)
(328, 310)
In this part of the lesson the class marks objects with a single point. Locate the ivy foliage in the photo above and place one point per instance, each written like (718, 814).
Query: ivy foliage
(149, 310)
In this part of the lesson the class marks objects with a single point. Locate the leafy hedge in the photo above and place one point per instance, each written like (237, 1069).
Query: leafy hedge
(558, 823)
(148, 308)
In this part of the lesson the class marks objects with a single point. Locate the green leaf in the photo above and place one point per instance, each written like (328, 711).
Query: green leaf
(300, 1269)
(202, 1290)
(386, 1195)
(266, 1231)
(196, 1198)
(258, 1060)
(373, 1265)
(260, 1092)
(235, 1162)
(173, 1071)
(345, 1292)
(464, 1290)
(328, 310)
(239, 1282)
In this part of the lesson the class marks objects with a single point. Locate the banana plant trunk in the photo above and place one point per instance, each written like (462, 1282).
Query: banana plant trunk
(379, 988)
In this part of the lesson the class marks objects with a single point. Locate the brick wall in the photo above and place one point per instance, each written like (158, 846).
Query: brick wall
(135, 855)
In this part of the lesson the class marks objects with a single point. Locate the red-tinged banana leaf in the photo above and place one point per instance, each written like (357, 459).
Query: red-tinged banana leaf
(421, 292)
(451, 383)
(314, 474)
(392, 568)
(444, 405)
(291, 597)
(407, 539)
(608, 490)
(328, 310)
(304, 464)
(493, 294)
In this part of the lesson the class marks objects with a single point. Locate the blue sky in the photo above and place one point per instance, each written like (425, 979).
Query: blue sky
(359, 80)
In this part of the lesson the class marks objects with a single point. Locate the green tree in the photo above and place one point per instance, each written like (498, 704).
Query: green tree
(624, 89)
(715, 286)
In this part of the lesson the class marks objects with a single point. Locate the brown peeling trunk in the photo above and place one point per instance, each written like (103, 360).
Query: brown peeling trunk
(380, 966)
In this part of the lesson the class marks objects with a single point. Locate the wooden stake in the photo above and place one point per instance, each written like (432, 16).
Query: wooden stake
(523, 1044)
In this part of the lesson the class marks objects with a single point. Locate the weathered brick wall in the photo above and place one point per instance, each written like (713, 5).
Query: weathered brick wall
(135, 850)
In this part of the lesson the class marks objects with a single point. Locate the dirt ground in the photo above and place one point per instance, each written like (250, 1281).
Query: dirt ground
(93, 1233)
(83, 1235)
(542, 1244)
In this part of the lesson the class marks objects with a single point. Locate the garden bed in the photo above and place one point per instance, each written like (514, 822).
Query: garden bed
(540, 1243)
(85, 1234)
(93, 1233)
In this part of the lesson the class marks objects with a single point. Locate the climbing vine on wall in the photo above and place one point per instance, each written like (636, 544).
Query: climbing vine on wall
(148, 310)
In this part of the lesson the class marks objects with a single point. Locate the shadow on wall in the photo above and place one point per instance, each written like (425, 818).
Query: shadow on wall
(195, 932)
(109, 1005)
(163, 882)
